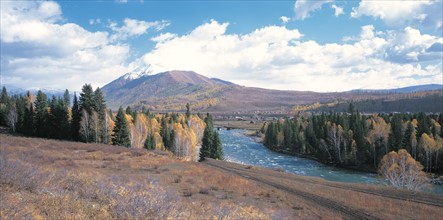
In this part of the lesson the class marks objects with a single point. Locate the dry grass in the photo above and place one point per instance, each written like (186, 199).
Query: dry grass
(43, 178)
(51, 179)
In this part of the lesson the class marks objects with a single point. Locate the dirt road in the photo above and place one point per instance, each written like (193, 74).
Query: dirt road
(365, 202)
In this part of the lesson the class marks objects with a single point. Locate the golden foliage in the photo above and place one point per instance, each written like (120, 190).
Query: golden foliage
(402, 171)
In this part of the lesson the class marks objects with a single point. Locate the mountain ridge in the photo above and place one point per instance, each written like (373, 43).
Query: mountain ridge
(171, 90)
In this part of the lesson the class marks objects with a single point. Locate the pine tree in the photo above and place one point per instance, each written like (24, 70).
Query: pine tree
(67, 98)
(211, 143)
(87, 99)
(205, 150)
(41, 116)
(150, 142)
(87, 111)
(76, 118)
(121, 131)
(4, 100)
(217, 149)
(167, 134)
(100, 108)
(28, 121)
(188, 110)
(130, 112)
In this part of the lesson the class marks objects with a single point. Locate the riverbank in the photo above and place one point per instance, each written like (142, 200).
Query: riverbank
(241, 148)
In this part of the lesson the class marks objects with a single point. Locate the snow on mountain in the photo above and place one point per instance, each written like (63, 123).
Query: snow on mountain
(138, 73)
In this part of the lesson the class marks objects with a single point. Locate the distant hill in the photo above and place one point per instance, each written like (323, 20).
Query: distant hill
(171, 90)
(409, 89)
(427, 101)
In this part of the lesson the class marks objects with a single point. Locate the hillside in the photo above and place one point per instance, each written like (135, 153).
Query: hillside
(431, 101)
(51, 179)
(173, 89)
(170, 91)
(409, 89)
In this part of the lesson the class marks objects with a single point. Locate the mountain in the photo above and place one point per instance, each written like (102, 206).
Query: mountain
(13, 90)
(409, 89)
(171, 90)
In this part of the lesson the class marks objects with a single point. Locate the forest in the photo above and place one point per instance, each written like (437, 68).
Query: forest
(355, 140)
(427, 101)
(89, 120)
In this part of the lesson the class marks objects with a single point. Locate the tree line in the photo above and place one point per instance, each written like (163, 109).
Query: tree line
(89, 120)
(355, 140)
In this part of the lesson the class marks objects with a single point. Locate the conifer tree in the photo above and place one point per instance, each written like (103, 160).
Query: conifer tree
(67, 98)
(211, 143)
(167, 135)
(188, 110)
(87, 111)
(205, 150)
(87, 99)
(4, 99)
(121, 131)
(41, 110)
(150, 142)
(100, 108)
(76, 118)
(28, 121)
(217, 149)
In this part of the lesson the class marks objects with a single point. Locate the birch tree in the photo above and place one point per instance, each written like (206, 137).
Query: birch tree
(402, 171)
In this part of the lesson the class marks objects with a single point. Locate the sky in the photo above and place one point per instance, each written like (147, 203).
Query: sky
(323, 46)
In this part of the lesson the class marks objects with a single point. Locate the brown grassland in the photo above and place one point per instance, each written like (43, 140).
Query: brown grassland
(49, 179)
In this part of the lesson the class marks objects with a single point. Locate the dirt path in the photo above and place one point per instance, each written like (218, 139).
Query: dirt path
(399, 195)
(292, 185)
(348, 212)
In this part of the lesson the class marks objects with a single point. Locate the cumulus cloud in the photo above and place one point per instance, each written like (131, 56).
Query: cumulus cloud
(276, 57)
(285, 19)
(134, 28)
(303, 8)
(338, 10)
(40, 51)
(402, 12)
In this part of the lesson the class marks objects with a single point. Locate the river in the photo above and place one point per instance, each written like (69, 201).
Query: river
(239, 148)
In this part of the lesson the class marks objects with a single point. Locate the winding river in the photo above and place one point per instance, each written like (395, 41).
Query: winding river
(239, 148)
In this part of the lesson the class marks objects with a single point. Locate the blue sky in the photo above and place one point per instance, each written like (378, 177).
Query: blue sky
(290, 45)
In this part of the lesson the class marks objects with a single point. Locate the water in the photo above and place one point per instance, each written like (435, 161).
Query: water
(239, 148)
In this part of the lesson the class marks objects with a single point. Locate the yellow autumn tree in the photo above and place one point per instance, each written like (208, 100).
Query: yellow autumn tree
(428, 145)
(402, 171)
(378, 136)
(198, 126)
(140, 130)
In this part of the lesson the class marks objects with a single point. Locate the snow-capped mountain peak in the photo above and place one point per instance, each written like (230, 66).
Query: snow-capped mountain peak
(138, 73)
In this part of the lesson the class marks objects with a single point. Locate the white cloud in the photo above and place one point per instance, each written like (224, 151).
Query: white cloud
(95, 21)
(133, 28)
(163, 37)
(338, 10)
(37, 51)
(275, 57)
(121, 1)
(410, 45)
(285, 19)
(303, 8)
(402, 12)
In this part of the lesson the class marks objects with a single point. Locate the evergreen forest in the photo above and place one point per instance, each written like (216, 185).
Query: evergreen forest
(355, 140)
